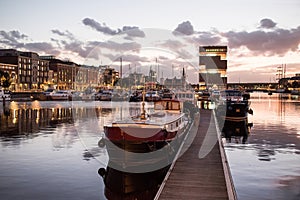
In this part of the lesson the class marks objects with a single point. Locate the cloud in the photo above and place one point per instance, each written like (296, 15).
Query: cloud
(207, 38)
(267, 23)
(119, 47)
(185, 28)
(66, 34)
(131, 31)
(11, 38)
(99, 27)
(15, 39)
(172, 44)
(276, 42)
(39, 47)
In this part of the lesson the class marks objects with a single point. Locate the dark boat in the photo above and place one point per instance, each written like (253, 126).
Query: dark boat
(136, 96)
(147, 142)
(233, 103)
(232, 110)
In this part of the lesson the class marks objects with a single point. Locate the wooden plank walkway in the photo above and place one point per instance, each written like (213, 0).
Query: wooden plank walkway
(198, 178)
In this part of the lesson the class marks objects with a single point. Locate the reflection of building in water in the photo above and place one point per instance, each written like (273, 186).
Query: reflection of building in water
(20, 121)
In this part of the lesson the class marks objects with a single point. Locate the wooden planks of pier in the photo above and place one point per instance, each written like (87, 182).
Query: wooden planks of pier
(198, 178)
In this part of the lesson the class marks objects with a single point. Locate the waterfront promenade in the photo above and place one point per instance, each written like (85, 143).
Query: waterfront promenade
(192, 177)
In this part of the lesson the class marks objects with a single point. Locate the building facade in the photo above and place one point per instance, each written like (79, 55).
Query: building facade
(62, 73)
(213, 67)
(109, 76)
(176, 83)
(67, 75)
(31, 72)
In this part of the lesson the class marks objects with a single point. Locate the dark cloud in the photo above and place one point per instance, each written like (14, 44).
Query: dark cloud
(267, 23)
(131, 31)
(185, 28)
(11, 38)
(276, 42)
(99, 27)
(66, 34)
(15, 39)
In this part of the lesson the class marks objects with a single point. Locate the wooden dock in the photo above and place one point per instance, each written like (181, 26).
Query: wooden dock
(202, 171)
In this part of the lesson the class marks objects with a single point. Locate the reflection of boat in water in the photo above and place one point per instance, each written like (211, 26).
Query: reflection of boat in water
(148, 141)
(125, 185)
(239, 130)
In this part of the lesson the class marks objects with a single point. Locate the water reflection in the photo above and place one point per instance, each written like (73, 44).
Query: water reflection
(31, 120)
(131, 186)
(236, 131)
(272, 152)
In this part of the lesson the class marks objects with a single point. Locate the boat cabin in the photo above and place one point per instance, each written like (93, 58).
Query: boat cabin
(169, 105)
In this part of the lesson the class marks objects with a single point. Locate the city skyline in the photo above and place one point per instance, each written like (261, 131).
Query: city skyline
(260, 35)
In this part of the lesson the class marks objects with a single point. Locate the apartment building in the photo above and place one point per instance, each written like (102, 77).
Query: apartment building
(30, 73)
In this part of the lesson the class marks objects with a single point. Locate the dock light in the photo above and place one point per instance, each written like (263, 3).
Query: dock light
(101, 142)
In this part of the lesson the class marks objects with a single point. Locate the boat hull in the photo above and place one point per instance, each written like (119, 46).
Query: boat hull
(134, 154)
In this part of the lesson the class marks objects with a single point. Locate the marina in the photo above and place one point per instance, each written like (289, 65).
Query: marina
(44, 143)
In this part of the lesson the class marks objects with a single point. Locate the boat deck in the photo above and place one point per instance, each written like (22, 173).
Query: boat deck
(199, 178)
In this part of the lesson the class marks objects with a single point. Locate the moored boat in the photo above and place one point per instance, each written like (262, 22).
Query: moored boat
(233, 103)
(61, 95)
(147, 142)
(232, 111)
(104, 95)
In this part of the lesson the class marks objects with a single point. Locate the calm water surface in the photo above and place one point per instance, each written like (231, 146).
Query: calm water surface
(48, 150)
(268, 165)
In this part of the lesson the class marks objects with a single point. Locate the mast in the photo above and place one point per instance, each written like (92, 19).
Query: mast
(143, 111)
(121, 71)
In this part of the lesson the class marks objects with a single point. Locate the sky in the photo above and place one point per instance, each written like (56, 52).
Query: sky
(161, 34)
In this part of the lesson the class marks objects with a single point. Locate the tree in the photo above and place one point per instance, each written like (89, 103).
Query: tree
(5, 80)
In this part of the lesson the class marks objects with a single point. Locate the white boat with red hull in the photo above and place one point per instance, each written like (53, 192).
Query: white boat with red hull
(148, 140)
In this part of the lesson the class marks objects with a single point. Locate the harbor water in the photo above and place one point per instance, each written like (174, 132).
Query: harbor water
(49, 149)
(268, 165)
